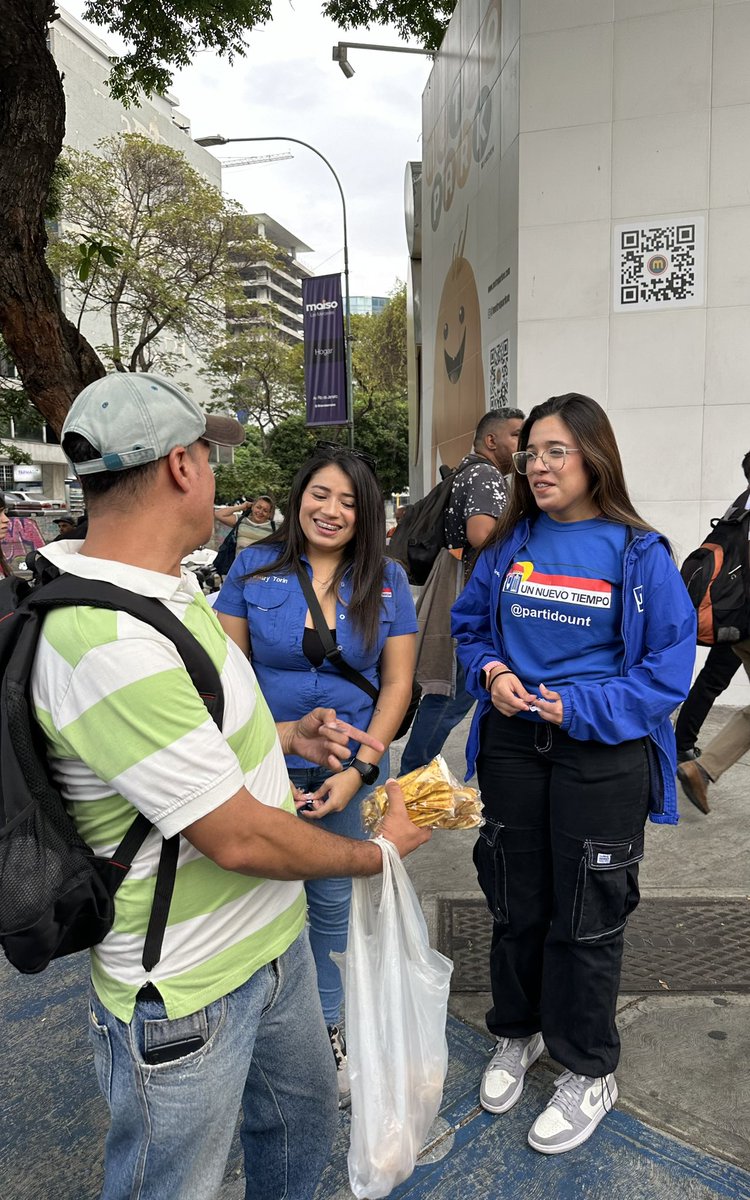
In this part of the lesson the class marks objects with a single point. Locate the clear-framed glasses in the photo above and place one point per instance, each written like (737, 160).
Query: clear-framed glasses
(362, 455)
(553, 458)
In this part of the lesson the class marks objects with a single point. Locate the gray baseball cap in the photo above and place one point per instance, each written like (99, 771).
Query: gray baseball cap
(134, 418)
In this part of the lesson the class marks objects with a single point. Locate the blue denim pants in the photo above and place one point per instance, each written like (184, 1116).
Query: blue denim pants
(436, 717)
(266, 1051)
(329, 900)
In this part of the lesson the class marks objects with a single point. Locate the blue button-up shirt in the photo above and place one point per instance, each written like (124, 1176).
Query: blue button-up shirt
(275, 609)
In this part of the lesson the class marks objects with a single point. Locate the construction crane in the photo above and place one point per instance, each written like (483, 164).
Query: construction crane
(256, 158)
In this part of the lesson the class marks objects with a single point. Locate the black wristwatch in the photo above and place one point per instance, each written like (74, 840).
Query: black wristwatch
(368, 771)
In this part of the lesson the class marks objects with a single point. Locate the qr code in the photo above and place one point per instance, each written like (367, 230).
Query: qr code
(499, 372)
(659, 264)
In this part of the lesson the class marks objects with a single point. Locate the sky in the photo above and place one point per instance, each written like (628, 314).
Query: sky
(368, 128)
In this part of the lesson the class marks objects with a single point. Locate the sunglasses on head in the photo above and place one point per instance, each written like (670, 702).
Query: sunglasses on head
(360, 454)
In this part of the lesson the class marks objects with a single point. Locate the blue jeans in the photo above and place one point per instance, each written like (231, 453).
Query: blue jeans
(435, 718)
(266, 1050)
(329, 900)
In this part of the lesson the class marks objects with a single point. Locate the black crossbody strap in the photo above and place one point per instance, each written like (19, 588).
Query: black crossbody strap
(331, 651)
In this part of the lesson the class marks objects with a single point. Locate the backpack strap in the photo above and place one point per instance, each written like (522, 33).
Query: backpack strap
(68, 590)
(331, 651)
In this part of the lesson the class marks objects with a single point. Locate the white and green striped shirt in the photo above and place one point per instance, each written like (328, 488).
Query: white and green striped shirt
(126, 728)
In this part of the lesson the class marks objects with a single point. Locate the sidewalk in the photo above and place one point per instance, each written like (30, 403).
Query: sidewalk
(682, 1124)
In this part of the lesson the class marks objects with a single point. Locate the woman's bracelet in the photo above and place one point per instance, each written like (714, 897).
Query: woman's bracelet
(497, 675)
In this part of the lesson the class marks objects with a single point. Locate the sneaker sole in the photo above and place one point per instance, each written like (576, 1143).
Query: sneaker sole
(490, 1107)
(580, 1138)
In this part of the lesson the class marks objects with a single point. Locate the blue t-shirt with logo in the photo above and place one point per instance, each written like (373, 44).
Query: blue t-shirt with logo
(561, 603)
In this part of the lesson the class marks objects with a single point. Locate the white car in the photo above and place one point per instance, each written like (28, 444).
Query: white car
(28, 501)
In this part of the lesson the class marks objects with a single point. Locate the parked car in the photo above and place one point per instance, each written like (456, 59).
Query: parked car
(31, 501)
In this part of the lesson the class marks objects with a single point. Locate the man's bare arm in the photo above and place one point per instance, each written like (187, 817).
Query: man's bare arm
(249, 837)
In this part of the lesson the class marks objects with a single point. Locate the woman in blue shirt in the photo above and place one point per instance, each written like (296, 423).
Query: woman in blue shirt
(578, 639)
(334, 529)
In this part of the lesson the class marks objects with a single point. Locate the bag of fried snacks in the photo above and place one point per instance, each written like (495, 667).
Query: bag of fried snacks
(434, 798)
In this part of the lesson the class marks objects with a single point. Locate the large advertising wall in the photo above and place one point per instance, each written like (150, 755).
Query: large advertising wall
(469, 232)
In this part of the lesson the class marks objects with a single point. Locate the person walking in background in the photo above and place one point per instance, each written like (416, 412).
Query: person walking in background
(477, 499)
(5, 570)
(228, 1017)
(722, 662)
(578, 639)
(333, 532)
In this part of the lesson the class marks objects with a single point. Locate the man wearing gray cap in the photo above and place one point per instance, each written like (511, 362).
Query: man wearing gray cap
(229, 1017)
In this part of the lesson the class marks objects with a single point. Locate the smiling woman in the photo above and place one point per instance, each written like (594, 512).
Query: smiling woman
(577, 638)
(327, 556)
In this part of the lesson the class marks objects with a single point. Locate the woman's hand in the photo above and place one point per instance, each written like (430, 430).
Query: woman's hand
(508, 694)
(333, 795)
(549, 706)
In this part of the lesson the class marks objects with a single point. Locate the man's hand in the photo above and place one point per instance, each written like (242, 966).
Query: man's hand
(397, 826)
(321, 739)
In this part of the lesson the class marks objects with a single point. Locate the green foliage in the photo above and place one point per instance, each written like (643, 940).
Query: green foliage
(251, 472)
(148, 240)
(53, 206)
(379, 349)
(255, 372)
(170, 34)
(91, 253)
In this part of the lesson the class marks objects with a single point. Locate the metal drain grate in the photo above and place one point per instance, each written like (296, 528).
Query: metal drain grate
(687, 945)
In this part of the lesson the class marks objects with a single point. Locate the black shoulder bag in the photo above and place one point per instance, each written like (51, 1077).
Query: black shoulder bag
(333, 655)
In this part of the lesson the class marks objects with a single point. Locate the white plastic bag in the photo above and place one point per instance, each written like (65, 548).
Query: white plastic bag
(396, 1010)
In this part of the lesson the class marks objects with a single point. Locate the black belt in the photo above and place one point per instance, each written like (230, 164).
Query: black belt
(149, 991)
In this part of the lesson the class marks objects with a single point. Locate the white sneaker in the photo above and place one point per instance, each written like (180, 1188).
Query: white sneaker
(502, 1082)
(573, 1113)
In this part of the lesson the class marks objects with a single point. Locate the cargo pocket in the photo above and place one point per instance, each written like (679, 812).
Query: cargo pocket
(607, 887)
(489, 861)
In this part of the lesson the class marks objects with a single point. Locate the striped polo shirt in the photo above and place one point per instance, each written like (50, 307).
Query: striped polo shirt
(125, 728)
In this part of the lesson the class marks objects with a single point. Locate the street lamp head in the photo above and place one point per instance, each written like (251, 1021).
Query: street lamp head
(212, 139)
(339, 56)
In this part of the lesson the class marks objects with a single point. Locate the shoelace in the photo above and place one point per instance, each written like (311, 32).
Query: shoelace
(570, 1089)
(508, 1054)
(337, 1044)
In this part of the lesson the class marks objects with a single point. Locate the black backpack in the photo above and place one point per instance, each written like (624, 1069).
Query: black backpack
(717, 577)
(227, 551)
(420, 534)
(56, 895)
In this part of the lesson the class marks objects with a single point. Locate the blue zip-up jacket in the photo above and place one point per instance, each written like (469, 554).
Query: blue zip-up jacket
(658, 633)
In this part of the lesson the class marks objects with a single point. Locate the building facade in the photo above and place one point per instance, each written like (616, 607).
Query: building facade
(278, 283)
(585, 226)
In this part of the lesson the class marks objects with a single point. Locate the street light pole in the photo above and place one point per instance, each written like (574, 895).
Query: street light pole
(217, 140)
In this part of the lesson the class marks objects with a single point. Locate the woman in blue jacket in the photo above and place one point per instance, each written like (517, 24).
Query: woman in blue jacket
(578, 638)
(335, 529)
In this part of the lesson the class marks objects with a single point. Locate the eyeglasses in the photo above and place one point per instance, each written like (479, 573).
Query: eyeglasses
(553, 458)
(362, 455)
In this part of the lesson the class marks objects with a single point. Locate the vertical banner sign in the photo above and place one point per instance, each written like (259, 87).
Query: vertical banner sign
(325, 357)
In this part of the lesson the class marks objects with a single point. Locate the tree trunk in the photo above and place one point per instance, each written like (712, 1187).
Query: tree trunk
(52, 358)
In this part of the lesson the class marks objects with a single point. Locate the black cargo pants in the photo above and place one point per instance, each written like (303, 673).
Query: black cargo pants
(557, 860)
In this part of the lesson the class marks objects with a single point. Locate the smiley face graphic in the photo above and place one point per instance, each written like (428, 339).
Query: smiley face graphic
(458, 397)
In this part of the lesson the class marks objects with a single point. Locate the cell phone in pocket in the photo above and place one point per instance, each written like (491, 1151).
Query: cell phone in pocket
(172, 1051)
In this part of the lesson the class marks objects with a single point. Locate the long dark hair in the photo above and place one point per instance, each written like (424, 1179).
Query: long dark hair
(363, 554)
(591, 427)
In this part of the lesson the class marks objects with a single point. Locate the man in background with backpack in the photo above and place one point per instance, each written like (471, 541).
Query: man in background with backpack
(724, 750)
(228, 1015)
(476, 500)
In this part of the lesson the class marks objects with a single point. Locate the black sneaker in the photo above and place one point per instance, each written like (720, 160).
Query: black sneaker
(338, 1045)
